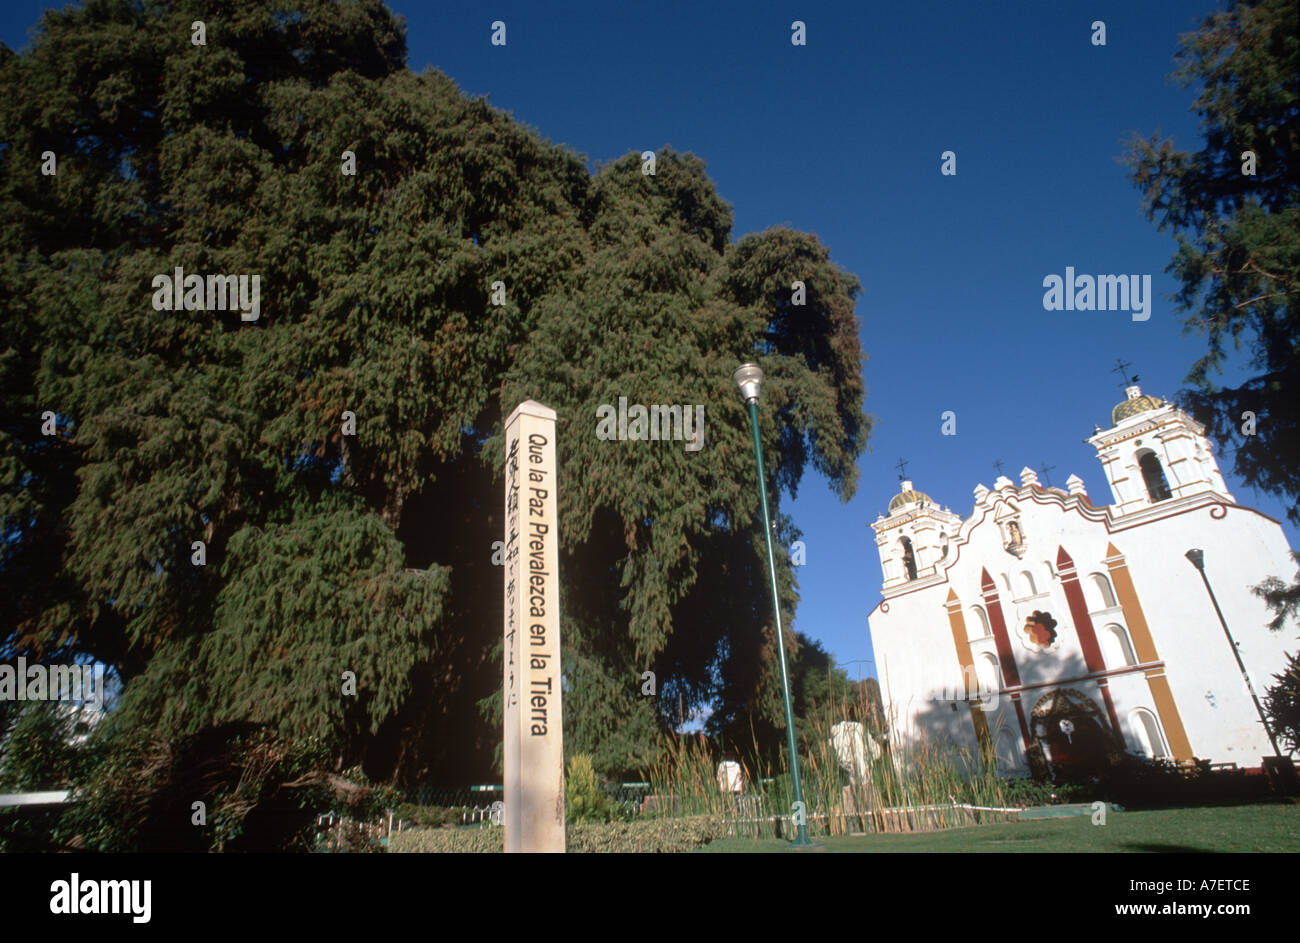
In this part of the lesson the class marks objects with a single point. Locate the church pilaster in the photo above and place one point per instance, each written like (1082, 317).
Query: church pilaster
(1087, 634)
(1144, 648)
(967, 661)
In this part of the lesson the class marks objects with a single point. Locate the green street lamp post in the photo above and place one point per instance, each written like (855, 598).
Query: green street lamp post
(1197, 558)
(749, 377)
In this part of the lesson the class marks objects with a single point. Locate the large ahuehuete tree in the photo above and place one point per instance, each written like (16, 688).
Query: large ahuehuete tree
(329, 553)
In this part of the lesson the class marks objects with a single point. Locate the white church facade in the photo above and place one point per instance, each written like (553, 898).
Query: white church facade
(1088, 629)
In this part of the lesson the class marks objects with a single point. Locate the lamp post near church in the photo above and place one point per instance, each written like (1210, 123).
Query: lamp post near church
(1198, 560)
(749, 377)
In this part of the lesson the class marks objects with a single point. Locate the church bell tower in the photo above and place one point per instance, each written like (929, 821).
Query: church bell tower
(1154, 453)
(913, 540)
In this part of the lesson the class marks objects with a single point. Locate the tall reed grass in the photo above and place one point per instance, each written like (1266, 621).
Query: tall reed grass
(914, 784)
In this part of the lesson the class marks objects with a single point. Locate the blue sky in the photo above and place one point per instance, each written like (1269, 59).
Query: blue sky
(843, 138)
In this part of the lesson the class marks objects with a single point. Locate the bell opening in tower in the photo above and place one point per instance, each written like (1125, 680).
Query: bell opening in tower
(909, 558)
(1154, 477)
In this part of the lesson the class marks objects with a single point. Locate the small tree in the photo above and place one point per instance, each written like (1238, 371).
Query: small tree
(1282, 597)
(1282, 704)
(584, 800)
(1282, 701)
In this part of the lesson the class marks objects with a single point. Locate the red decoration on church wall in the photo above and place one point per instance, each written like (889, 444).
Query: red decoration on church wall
(1010, 673)
(1041, 628)
(1084, 629)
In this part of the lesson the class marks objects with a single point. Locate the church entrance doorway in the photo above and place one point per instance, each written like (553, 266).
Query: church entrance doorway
(1070, 731)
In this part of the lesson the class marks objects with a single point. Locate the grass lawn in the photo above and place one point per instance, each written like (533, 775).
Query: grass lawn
(1264, 827)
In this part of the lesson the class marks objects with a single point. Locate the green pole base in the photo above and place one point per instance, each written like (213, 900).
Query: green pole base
(806, 845)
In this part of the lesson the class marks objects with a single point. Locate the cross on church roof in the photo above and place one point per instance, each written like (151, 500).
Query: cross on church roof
(1045, 468)
(1121, 367)
(902, 469)
(998, 466)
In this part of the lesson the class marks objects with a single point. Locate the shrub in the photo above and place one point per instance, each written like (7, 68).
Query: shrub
(446, 840)
(262, 792)
(1026, 792)
(584, 800)
(653, 836)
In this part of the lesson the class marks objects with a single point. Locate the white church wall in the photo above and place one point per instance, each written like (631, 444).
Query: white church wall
(1129, 693)
(919, 672)
(1240, 551)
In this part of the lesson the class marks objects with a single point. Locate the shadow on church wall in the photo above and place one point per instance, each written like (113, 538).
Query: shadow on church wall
(1071, 737)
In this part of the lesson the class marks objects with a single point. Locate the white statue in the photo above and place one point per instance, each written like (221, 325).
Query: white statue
(851, 744)
(731, 779)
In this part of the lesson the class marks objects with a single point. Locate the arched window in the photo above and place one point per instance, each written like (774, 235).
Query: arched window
(989, 672)
(1154, 476)
(1006, 583)
(943, 545)
(909, 558)
(1116, 649)
(1146, 730)
(1102, 585)
(977, 627)
(1027, 579)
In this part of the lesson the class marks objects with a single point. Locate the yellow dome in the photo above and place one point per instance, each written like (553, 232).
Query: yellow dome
(908, 496)
(1134, 404)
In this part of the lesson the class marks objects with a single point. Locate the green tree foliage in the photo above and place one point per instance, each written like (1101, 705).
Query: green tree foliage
(1239, 235)
(668, 541)
(1282, 700)
(1282, 597)
(330, 553)
(868, 694)
(42, 748)
(1282, 705)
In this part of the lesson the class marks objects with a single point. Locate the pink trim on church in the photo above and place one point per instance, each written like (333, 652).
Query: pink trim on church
(1084, 628)
(1010, 673)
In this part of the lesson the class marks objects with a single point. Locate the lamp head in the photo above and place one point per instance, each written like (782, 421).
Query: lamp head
(1197, 557)
(749, 377)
